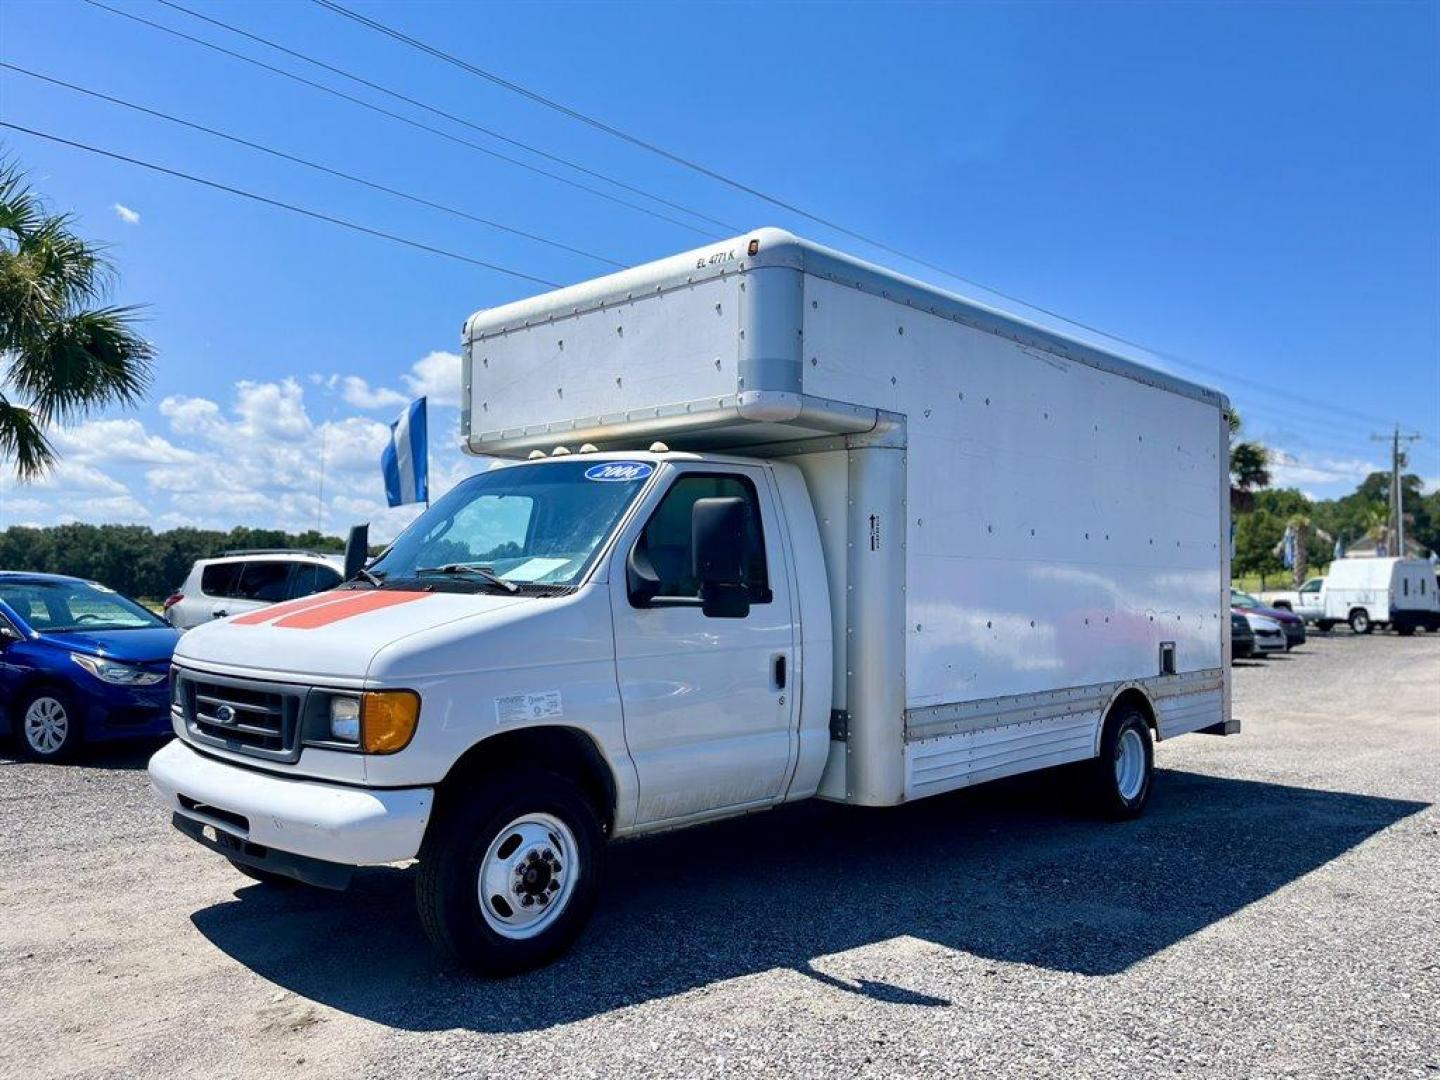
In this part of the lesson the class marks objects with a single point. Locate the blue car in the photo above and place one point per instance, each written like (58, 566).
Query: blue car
(79, 662)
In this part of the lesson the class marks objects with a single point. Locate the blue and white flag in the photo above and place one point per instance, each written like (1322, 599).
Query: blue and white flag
(1339, 551)
(406, 460)
(1289, 542)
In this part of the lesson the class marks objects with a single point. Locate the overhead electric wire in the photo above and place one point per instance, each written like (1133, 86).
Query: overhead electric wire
(738, 185)
(240, 31)
(398, 116)
(418, 199)
(265, 199)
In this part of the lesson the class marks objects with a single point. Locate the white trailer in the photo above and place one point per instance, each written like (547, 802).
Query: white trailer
(779, 524)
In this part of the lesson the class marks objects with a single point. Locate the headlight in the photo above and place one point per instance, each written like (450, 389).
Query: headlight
(118, 674)
(345, 719)
(376, 721)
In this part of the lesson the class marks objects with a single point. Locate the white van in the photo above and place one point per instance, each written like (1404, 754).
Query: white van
(1367, 593)
(777, 524)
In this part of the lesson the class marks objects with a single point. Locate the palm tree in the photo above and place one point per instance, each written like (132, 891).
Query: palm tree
(1249, 467)
(63, 354)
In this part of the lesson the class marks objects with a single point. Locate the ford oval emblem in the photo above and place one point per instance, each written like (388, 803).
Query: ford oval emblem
(225, 714)
(619, 471)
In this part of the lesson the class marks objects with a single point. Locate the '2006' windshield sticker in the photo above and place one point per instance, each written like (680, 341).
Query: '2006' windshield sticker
(622, 471)
(519, 708)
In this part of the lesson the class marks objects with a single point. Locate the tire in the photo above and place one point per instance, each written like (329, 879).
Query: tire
(1119, 791)
(1404, 629)
(1324, 626)
(264, 877)
(537, 833)
(47, 726)
(1360, 621)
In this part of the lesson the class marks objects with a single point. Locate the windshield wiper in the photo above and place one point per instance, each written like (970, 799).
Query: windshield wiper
(374, 579)
(484, 573)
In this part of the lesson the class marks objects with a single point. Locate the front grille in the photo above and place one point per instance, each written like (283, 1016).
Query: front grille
(260, 719)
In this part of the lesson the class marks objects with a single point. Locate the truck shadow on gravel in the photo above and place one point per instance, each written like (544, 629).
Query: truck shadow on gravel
(1005, 872)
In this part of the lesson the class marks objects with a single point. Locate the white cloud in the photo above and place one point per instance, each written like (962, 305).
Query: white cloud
(250, 457)
(116, 442)
(125, 214)
(356, 391)
(1291, 470)
(437, 377)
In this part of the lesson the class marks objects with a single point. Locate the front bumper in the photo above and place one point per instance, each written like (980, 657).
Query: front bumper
(1267, 644)
(328, 823)
(123, 712)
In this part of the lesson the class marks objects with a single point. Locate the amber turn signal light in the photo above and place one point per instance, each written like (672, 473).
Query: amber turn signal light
(388, 719)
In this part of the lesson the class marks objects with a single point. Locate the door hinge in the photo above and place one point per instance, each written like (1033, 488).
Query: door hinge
(839, 725)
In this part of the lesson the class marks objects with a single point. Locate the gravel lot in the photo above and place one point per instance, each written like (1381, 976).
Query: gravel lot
(1274, 914)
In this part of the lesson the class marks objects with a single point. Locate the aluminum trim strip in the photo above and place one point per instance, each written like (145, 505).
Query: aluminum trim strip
(935, 721)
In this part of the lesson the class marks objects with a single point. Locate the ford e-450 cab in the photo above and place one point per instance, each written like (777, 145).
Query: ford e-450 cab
(769, 523)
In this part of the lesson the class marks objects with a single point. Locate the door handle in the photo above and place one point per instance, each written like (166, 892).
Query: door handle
(219, 613)
(777, 671)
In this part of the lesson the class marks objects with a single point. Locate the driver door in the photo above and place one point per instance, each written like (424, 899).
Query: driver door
(709, 710)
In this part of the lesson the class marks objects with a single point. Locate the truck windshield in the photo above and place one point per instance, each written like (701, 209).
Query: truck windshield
(526, 524)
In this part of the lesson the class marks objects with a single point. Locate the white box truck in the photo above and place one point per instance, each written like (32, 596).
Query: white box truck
(1367, 593)
(777, 524)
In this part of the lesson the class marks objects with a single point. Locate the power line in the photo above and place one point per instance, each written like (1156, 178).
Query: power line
(216, 185)
(449, 116)
(418, 199)
(398, 116)
(695, 166)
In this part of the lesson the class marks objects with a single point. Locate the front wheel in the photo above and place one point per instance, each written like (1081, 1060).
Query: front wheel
(1324, 626)
(49, 726)
(1360, 621)
(509, 877)
(1120, 777)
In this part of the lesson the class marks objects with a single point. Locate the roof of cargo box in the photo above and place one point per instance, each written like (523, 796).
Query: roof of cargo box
(768, 247)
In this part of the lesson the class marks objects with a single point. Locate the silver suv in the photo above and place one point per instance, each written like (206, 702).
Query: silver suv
(241, 581)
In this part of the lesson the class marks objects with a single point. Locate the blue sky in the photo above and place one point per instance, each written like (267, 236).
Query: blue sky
(1252, 188)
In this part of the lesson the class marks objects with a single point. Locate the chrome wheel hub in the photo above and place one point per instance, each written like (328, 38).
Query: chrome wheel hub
(528, 875)
(46, 725)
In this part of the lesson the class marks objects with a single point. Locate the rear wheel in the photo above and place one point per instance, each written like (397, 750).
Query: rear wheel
(1405, 629)
(1360, 621)
(49, 728)
(508, 878)
(1121, 776)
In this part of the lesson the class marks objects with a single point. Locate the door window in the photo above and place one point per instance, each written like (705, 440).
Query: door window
(667, 539)
(221, 579)
(265, 582)
(312, 578)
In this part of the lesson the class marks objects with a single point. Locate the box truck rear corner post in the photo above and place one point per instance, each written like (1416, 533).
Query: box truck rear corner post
(764, 523)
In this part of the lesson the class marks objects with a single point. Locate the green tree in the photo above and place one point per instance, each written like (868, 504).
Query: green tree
(63, 354)
(1256, 534)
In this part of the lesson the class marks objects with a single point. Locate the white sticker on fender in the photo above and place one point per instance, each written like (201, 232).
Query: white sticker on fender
(517, 708)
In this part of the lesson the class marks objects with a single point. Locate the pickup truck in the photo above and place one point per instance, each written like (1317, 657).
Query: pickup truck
(772, 524)
(1305, 601)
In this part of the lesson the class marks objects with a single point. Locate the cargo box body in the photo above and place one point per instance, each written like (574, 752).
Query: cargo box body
(1017, 527)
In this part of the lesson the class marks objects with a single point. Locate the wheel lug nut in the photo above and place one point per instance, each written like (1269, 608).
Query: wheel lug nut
(527, 901)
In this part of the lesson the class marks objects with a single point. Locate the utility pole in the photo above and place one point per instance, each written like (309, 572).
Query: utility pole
(1395, 534)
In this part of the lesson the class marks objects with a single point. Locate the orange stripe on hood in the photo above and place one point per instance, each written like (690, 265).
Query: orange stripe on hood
(289, 607)
(356, 604)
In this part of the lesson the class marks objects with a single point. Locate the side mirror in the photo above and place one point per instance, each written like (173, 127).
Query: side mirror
(8, 636)
(357, 549)
(717, 534)
(641, 580)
